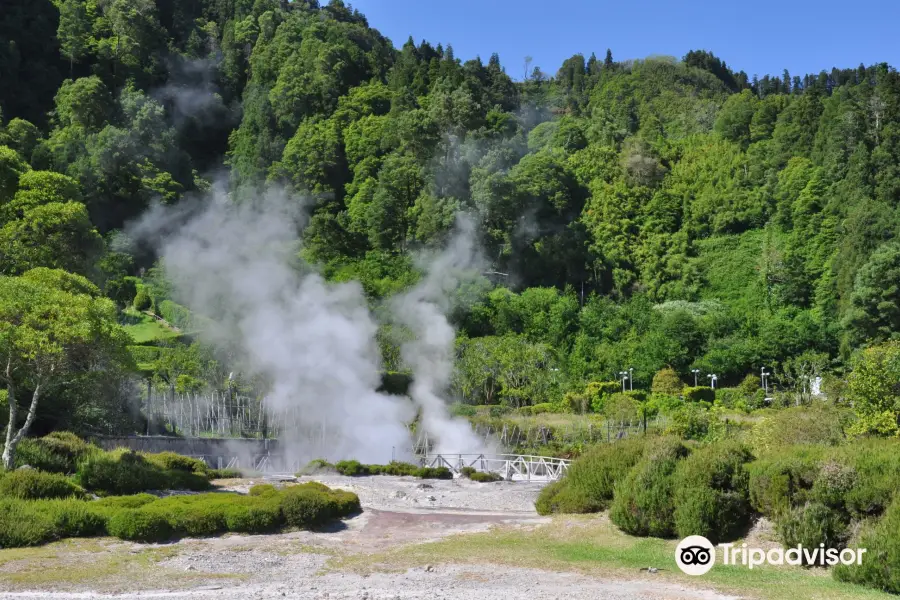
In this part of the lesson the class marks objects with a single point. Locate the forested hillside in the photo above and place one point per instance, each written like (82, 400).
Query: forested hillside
(633, 214)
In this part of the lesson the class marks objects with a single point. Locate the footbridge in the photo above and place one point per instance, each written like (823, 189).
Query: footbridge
(513, 467)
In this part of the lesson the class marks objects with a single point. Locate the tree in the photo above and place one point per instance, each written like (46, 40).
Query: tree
(50, 333)
(74, 31)
(667, 382)
(874, 389)
(875, 311)
(11, 168)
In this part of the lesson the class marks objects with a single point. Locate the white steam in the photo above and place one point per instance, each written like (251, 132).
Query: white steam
(312, 340)
(430, 354)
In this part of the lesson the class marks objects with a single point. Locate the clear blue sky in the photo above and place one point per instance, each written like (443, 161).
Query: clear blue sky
(757, 36)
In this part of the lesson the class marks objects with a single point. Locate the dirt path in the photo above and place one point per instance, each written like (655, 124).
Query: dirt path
(398, 513)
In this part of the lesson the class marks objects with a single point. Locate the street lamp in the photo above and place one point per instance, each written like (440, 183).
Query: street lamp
(712, 380)
(624, 376)
(631, 378)
(765, 379)
(695, 372)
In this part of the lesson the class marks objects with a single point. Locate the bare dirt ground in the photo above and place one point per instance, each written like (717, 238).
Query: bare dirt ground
(399, 513)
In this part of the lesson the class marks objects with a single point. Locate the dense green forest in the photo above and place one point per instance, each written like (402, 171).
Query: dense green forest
(642, 214)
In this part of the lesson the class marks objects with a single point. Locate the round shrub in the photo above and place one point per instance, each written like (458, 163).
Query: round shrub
(833, 484)
(304, 507)
(75, 518)
(33, 453)
(140, 525)
(712, 492)
(562, 497)
(784, 478)
(880, 566)
(119, 472)
(119, 502)
(197, 516)
(643, 503)
(434, 473)
(876, 464)
(810, 525)
(818, 424)
(667, 382)
(142, 299)
(31, 484)
(596, 472)
(262, 517)
(467, 471)
(345, 503)
(263, 489)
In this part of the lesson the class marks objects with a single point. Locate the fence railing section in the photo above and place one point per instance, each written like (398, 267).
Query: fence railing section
(513, 467)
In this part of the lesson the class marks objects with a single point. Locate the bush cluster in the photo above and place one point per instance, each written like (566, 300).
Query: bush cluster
(479, 476)
(57, 452)
(880, 567)
(354, 468)
(699, 394)
(125, 472)
(146, 518)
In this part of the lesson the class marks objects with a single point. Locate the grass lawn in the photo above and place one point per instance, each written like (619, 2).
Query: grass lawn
(593, 546)
(143, 328)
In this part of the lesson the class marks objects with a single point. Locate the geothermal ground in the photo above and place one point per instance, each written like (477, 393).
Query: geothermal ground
(433, 539)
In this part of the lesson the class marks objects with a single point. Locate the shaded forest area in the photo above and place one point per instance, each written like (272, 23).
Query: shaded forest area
(646, 214)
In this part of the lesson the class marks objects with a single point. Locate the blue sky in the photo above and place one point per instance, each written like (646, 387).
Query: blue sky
(757, 36)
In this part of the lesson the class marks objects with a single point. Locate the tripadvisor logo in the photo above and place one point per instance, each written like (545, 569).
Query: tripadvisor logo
(696, 555)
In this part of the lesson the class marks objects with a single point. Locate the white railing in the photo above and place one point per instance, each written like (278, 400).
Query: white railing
(513, 467)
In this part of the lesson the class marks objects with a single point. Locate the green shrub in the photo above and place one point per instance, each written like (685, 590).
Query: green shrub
(142, 299)
(561, 497)
(667, 382)
(176, 314)
(639, 395)
(57, 452)
(467, 471)
(691, 421)
(346, 503)
(880, 568)
(833, 484)
(31, 484)
(123, 472)
(458, 409)
(304, 507)
(263, 517)
(395, 383)
(783, 479)
(224, 474)
(596, 472)
(177, 462)
(699, 394)
(643, 503)
(194, 516)
(819, 424)
(22, 525)
(483, 477)
(114, 503)
(139, 525)
(875, 464)
(712, 492)
(434, 473)
(314, 466)
(351, 468)
(811, 524)
(263, 489)
(596, 393)
(74, 518)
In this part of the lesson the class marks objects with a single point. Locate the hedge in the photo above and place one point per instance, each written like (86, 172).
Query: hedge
(880, 566)
(354, 468)
(784, 479)
(699, 394)
(125, 472)
(57, 452)
(145, 518)
(176, 315)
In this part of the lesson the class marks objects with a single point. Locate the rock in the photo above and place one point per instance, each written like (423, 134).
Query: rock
(429, 569)
(190, 568)
(425, 486)
(399, 494)
(25, 468)
(432, 498)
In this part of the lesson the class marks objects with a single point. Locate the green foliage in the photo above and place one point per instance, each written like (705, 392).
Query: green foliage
(874, 392)
(667, 382)
(351, 468)
(57, 452)
(880, 566)
(712, 492)
(485, 477)
(142, 300)
(125, 472)
(811, 524)
(31, 484)
(140, 526)
(784, 478)
(699, 394)
(224, 474)
(817, 424)
(644, 502)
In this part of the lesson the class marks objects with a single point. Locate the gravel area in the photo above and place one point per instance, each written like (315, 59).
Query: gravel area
(398, 511)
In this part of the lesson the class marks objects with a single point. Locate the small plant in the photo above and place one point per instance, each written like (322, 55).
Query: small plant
(467, 471)
(485, 477)
(31, 484)
(224, 474)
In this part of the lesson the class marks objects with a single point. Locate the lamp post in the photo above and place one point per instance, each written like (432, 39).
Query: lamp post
(764, 375)
(624, 376)
(712, 380)
(695, 372)
(631, 378)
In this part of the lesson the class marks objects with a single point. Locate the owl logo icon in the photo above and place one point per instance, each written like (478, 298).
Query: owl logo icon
(695, 555)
